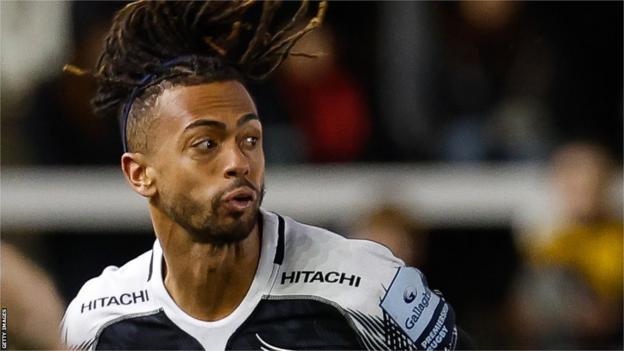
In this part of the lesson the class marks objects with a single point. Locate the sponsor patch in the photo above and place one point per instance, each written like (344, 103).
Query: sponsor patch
(410, 303)
(295, 277)
(123, 299)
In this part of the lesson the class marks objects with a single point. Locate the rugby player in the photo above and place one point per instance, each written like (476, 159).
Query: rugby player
(223, 272)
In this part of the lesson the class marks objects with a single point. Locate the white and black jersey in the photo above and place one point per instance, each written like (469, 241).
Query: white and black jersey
(313, 289)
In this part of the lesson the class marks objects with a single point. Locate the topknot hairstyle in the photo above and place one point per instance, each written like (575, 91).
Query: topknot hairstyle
(156, 43)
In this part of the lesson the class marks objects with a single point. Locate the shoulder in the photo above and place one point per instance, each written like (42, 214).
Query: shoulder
(319, 261)
(321, 244)
(316, 258)
(385, 300)
(111, 295)
(312, 249)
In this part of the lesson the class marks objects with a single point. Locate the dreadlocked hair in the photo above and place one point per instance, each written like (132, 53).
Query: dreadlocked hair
(217, 41)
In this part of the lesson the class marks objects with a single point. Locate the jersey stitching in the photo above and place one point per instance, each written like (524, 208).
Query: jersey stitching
(149, 274)
(273, 278)
(392, 282)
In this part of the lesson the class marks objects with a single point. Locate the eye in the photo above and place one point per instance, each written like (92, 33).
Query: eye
(250, 141)
(205, 145)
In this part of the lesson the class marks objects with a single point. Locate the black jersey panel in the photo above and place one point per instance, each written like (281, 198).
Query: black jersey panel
(301, 324)
(152, 332)
(279, 251)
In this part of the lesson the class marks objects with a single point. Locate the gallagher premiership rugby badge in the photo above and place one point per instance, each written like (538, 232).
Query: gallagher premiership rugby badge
(421, 314)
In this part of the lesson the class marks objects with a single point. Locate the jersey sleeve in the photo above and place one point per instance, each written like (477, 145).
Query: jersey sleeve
(418, 313)
(76, 333)
(83, 317)
(407, 314)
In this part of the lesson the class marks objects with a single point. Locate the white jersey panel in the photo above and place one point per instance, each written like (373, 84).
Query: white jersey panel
(116, 293)
(352, 273)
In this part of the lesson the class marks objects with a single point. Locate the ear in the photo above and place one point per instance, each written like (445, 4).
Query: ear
(138, 174)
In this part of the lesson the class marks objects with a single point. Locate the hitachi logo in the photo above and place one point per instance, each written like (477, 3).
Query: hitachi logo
(320, 277)
(123, 299)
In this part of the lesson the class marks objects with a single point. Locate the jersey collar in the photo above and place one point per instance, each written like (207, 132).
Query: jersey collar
(271, 254)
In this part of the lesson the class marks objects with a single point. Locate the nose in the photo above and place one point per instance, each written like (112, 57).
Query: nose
(236, 163)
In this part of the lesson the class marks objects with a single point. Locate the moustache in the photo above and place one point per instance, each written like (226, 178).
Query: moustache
(238, 183)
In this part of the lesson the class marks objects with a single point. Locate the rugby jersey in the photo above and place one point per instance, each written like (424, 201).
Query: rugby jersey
(313, 289)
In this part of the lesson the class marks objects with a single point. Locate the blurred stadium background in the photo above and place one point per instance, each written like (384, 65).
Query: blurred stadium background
(482, 141)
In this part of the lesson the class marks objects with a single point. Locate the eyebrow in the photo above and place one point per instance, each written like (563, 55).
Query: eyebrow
(220, 125)
(246, 118)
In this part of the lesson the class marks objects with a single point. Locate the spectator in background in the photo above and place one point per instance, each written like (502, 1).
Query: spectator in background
(60, 123)
(325, 102)
(495, 78)
(395, 229)
(33, 306)
(571, 294)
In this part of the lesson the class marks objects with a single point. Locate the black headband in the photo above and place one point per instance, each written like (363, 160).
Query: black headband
(152, 79)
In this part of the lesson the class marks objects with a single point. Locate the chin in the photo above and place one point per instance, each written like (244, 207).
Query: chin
(235, 228)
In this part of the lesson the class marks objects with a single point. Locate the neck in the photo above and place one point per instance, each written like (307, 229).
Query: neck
(207, 281)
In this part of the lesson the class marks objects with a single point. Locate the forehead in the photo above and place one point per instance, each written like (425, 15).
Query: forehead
(223, 101)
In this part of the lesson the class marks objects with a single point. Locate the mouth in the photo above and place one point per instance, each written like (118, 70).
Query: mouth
(239, 199)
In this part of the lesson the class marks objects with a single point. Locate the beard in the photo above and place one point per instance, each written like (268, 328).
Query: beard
(212, 224)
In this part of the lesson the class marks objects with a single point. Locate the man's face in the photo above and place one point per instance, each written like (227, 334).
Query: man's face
(207, 160)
